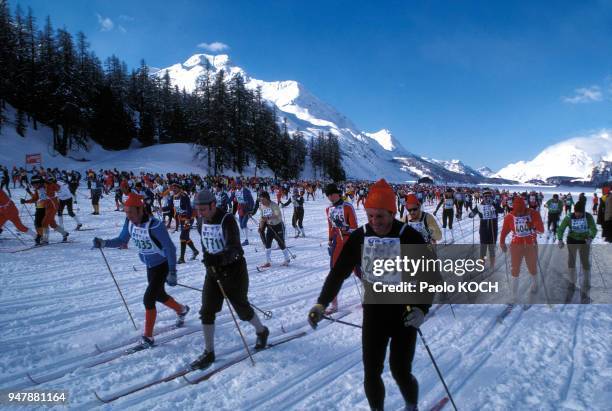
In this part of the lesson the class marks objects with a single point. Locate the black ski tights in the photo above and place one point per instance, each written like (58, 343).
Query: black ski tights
(382, 323)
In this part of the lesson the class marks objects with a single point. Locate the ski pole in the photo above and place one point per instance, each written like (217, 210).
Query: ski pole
(190, 287)
(358, 288)
(473, 228)
(15, 235)
(267, 314)
(341, 322)
(436, 366)
(261, 236)
(543, 281)
(28, 211)
(118, 289)
(229, 305)
(278, 240)
(506, 261)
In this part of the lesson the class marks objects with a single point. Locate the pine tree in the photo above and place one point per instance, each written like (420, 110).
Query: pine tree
(20, 123)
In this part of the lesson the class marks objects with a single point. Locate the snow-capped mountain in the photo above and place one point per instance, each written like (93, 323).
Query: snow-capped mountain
(387, 141)
(575, 157)
(485, 171)
(456, 166)
(364, 153)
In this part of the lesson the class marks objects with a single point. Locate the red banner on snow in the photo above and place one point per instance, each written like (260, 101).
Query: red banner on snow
(32, 159)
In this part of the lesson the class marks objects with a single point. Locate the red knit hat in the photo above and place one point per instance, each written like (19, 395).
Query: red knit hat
(381, 195)
(134, 200)
(412, 201)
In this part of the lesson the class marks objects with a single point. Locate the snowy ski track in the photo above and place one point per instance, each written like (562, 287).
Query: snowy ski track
(64, 327)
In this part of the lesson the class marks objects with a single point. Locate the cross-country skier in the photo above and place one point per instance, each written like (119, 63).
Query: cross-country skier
(422, 221)
(245, 203)
(9, 212)
(383, 324)
(225, 264)
(554, 206)
(158, 253)
(488, 211)
(46, 208)
(65, 201)
(448, 211)
(271, 227)
(341, 222)
(582, 230)
(525, 224)
(298, 212)
(185, 238)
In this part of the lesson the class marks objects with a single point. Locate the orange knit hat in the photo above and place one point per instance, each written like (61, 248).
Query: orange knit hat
(412, 201)
(381, 195)
(134, 200)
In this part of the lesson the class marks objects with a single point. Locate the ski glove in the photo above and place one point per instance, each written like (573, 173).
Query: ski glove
(413, 317)
(561, 244)
(22, 200)
(98, 242)
(315, 315)
(171, 278)
(212, 260)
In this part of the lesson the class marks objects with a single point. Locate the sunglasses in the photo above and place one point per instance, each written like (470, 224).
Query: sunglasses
(412, 210)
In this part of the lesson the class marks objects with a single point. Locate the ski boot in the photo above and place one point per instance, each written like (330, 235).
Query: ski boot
(65, 237)
(145, 343)
(78, 227)
(286, 263)
(245, 242)
(204, 361)
(262, 339)
(180, 320)
(181, 260)
(195, 255)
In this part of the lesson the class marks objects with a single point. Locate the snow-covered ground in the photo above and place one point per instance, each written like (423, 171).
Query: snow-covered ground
(58, 302)
(160, 158)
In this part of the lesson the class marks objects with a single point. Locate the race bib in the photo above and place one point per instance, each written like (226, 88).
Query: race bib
(267, 212)
(488, 212)
(336, 216)
(177, 204)
(141, 239)
(240, 197)
(553, 206)
(420, 227)
(212, 238)
(521, 226)
(375, 248)
(402, 201)
(579, 225)
(449, 203)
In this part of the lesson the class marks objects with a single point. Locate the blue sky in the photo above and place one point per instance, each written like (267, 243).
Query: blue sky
(486, 82)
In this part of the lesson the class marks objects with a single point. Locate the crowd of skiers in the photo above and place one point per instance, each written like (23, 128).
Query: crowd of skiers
(219, 208)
